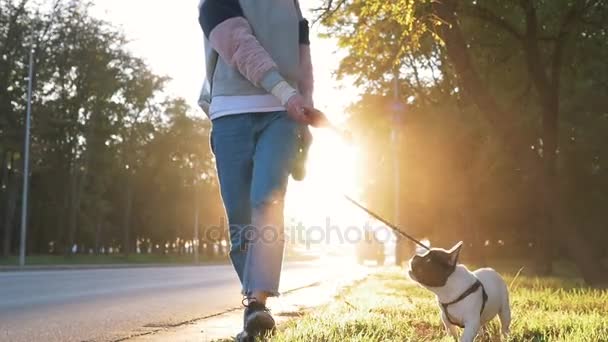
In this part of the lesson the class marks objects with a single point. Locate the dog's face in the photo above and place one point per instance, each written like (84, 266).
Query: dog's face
(433, 268)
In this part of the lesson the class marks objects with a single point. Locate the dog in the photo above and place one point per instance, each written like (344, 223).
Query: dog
(466, 299)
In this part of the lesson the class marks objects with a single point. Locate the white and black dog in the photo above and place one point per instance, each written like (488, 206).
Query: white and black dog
(466, 299)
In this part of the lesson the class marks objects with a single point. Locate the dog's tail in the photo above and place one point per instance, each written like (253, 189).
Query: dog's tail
(515, 278)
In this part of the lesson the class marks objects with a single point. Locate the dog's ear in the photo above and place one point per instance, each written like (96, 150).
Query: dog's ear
(455, 253)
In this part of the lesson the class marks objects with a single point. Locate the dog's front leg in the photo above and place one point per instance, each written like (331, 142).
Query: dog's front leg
(471, 328)
(449, 327)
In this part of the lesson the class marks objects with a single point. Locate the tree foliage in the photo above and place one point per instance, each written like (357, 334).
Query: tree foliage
(506, 138)
(114, 162)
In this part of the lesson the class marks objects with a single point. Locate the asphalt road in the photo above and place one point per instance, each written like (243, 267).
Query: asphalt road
(110, 304)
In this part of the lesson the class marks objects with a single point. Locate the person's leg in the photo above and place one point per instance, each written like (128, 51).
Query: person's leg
(232, 141)
(273, 160)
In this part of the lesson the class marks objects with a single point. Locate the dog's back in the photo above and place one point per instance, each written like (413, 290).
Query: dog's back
(498, 296)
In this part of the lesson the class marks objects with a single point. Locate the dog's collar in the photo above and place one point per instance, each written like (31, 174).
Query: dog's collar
(464, 295)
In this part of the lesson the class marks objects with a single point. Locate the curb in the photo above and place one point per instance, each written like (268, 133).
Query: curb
(28, 268)
(99, 267)
(223, 325)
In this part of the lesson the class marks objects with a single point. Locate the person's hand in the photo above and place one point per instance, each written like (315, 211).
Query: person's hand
(317, 118)
(297, 109)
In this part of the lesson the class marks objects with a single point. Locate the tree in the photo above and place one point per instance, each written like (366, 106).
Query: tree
(509, 60)
(113, 159)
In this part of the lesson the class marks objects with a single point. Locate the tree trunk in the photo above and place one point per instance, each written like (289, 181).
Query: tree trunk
(74, 211)
(9, 220)
(557, 230)
(545, 244)
(471, 222)
(196, 240)
(98, 229)
(60, 239)
(11, 206)
(3, 169)
(127, 218)
(545, 241)
(3, 185)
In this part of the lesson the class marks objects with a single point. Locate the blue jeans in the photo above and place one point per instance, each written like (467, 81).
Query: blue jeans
(254, 155)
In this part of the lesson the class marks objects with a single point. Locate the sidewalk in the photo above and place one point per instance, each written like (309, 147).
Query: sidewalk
(225, 325)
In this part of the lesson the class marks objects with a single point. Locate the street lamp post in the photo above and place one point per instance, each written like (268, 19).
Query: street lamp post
(396, 135)
(26, 162)
(397, 109)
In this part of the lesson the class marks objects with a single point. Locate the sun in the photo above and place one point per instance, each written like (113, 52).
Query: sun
(330, 171)
(317, 202)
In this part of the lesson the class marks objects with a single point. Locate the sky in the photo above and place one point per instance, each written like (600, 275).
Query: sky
(167, 35)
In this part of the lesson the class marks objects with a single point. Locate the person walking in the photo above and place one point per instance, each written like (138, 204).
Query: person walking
(258, 94)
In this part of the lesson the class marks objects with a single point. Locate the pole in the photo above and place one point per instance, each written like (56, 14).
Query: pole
(397, 107)
(396, 142)
(195, 244)
(26, 162)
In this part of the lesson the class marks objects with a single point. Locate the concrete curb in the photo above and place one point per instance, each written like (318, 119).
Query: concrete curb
(28, 268)
(224, 325)
(100, 266)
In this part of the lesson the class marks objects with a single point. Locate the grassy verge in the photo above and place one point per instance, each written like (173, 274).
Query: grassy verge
(51, 260)
(133, 259)
(388, 307)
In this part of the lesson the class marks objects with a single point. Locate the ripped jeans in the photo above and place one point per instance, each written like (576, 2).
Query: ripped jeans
(255, 153)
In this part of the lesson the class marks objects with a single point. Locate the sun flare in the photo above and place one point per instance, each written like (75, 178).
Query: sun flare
(318, 202)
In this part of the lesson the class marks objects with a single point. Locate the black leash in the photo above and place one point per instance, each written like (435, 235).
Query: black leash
(387, 223)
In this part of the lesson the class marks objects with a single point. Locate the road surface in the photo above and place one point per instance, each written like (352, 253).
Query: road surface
(110, 304)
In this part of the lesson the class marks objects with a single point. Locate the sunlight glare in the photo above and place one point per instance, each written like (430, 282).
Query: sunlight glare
(318, 200)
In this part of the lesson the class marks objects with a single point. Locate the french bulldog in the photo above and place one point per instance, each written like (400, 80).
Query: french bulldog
(466, 299)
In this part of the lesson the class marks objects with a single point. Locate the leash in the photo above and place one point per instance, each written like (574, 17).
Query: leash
(387, 223)
(321, 120)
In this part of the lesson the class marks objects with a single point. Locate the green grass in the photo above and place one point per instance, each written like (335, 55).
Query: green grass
(133, 259)
(388, 307)
(50, 260)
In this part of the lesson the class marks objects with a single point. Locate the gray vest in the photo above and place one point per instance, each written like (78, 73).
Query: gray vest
(275, 23)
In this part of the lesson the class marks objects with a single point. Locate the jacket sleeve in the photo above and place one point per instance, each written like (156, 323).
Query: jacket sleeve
(230, 34)
(306, 80)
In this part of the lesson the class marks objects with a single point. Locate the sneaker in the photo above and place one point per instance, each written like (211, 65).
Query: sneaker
(244, 337)
(257, 322)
